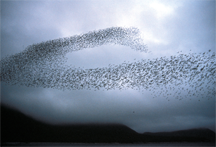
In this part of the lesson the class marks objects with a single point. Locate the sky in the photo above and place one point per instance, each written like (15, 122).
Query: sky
(166, 27)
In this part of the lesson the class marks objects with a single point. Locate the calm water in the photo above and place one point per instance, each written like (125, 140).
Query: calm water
(177, 144)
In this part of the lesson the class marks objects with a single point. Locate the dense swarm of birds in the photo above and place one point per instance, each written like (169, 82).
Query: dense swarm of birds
(41, 65)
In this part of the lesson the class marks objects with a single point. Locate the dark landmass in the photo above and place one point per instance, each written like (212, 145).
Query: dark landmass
(17, 127)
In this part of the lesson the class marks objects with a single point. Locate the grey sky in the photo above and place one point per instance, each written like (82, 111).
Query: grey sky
(167, 27)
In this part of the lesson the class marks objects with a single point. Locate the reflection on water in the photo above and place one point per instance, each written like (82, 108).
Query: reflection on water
(181, 76)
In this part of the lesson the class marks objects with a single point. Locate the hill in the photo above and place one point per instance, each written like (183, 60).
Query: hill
(17, 127)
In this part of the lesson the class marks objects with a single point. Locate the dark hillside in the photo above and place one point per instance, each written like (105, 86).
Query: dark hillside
(17, 127)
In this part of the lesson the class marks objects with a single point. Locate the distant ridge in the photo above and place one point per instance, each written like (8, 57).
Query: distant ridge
(190, 135)
(17, 127)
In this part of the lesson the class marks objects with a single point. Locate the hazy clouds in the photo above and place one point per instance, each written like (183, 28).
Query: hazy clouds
(167, 27)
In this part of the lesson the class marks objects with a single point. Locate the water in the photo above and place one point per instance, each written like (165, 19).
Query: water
(110, 145)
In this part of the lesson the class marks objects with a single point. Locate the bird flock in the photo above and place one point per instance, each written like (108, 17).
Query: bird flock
(180, 76)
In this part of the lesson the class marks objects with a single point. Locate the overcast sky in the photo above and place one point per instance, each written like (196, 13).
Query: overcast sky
(166, 27)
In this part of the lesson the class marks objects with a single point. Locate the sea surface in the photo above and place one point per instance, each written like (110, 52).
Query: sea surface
(176, 144)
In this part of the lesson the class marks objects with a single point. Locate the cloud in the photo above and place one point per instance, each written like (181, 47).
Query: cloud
(187, 25)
